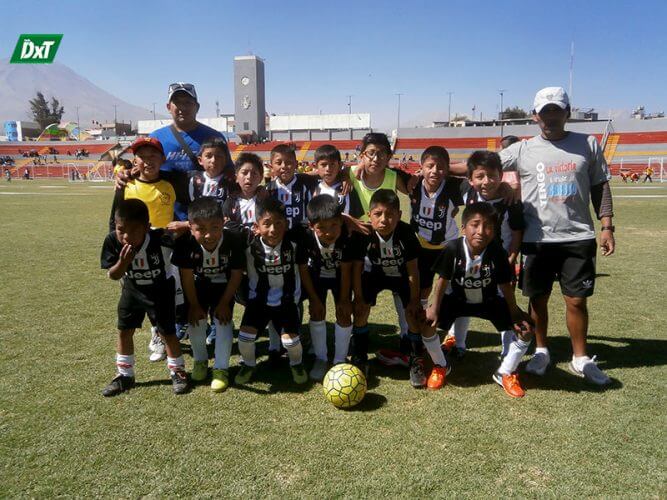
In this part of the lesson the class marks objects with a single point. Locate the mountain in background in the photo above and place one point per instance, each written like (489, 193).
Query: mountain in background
(20, 82)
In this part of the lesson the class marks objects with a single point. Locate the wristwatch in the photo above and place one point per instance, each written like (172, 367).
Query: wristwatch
(608, 228)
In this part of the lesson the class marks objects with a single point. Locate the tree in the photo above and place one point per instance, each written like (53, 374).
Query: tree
(42, 113)
(515, 112)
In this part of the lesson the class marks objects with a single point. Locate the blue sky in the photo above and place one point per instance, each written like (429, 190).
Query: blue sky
(317, 53)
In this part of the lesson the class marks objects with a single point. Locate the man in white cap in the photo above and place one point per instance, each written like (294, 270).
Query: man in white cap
(561, 174)
(181, 140)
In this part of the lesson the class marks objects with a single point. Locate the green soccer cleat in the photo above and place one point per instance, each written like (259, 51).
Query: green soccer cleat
(244, 375)
(199, 371)
(299, 374)
(220, 380)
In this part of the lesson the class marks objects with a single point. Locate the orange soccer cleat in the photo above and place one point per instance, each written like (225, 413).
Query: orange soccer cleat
(510, 383)
(437, 378)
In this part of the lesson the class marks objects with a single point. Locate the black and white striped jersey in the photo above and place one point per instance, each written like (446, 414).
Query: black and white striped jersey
(200, 185)
(239, 211)
(473, 279)
(273, 272)
(215, 266)
(324, 260)
(151, 265)
(388, 258)
(432, 216)
(295, 196)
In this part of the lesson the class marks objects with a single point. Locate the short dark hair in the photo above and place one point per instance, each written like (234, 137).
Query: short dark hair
(323, 207)
(132, 210)
(482, 208)
(378, 139)
(484, 159)
(327, 152)
(206, 207)
(270, 206)
(285, 150)
(437, 152)
(385, 197)
(508, 140)
(252, 158)
(213, 142)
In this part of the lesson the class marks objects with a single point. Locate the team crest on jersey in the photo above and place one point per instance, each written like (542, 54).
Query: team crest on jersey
(485, 271)
(164, 198)
(288, 255)
(155, 259)
(284, 197)
(297, 197)
(426, 211)
(442, 211)
(273, 258)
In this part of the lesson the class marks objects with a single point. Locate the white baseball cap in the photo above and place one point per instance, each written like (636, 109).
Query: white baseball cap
(551, 95)
(188, 88)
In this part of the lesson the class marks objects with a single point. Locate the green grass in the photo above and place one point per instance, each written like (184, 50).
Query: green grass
(58, 436)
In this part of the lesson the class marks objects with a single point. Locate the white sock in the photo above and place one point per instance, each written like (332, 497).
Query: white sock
(514, 354)
(506, 338)
(424, 303)
(460, 331)
(342, 338)
(274, 337)
(580, 361)
(294, 349)
(400, 312)
(175, 364)
(432, 345)
(198, 341)
(543, 350)
(125, 364)
(224, 336)
(318, 335)
(247, 348)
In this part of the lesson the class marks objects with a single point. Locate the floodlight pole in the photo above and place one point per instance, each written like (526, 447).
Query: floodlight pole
(449, 110)
(398, 117)
(502, 123)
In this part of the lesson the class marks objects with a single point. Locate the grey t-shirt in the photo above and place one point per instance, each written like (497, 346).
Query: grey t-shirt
(556, 179)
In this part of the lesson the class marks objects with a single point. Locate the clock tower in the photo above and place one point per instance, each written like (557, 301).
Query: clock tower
(249, 107)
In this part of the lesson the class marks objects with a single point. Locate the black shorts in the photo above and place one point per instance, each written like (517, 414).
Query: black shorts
(372, 285)
(158, 304)
(209, 294)
(571, 263)
(425, 261)
(322, 286)
(284, 317)
(495, 310)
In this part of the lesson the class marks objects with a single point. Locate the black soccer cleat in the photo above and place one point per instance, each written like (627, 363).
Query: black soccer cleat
(179, 381)
(119, 384)
(417, 375)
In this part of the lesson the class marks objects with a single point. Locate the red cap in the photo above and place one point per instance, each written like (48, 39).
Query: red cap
(147, 141)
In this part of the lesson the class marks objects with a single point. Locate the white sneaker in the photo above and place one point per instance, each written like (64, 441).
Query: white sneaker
(155, 339)
(319, 370)
(159, 351)
(588, 369)
(538, 364)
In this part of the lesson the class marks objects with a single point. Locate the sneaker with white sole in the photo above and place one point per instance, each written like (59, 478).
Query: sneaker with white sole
(319, 370)
(538, 364)
(588, 369)
(159, 351)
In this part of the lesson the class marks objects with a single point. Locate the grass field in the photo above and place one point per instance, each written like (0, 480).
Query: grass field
(60, 437)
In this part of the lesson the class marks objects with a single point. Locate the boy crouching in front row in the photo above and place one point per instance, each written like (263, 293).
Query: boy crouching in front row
(274, 290)
(471, 271)
(211, 260)
(141, 257)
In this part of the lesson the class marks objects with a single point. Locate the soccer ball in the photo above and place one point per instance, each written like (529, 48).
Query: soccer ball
(344, 386)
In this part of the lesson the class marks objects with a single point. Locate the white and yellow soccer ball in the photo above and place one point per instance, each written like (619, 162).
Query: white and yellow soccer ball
(344, 385)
